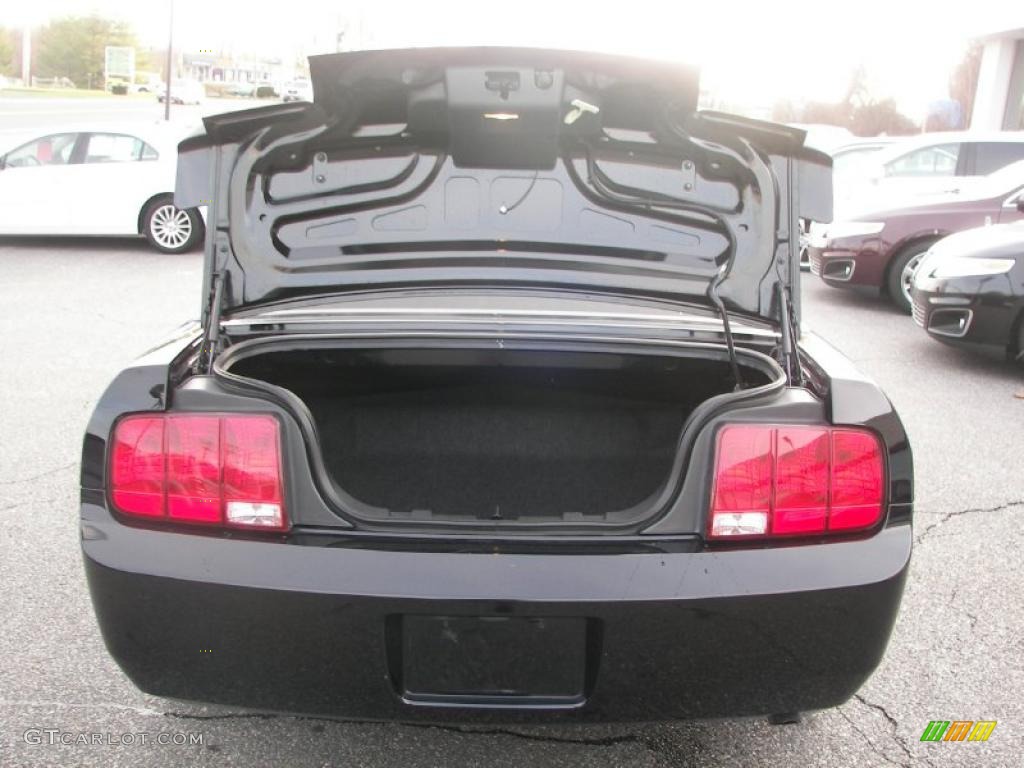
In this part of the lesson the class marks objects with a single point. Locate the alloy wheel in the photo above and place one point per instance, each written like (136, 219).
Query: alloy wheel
(907, 276)
(171, 226)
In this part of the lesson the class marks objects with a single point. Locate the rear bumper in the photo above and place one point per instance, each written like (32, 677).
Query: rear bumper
(317, 629)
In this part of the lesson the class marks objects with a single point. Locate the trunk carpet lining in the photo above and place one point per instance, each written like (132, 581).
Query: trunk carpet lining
(464, 452)
(482, 434)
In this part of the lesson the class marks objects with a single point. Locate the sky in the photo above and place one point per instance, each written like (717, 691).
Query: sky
(751, 53)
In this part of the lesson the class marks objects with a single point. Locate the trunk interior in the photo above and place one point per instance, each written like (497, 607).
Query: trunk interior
(496, 434)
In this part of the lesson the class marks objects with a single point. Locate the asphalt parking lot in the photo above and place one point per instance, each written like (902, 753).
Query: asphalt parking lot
(74, 313)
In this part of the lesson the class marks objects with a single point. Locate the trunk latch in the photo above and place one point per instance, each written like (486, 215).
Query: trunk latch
(502, 82)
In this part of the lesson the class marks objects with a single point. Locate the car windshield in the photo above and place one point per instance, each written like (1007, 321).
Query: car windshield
(854, 159)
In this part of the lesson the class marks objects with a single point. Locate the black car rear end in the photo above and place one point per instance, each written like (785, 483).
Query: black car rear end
(361, 620)
(491, 630)
(581, 467)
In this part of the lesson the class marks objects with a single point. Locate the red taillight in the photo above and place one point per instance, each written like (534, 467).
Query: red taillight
(212, 469)
(193, 468)
(252, 474)
(137, 467)
(795, 480)
(857, 481)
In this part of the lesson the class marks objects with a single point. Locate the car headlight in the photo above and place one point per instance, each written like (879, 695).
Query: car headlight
(962, 266)
(842, 229)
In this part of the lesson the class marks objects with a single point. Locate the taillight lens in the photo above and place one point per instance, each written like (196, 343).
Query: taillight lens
(137, 467)
(251, 486)
(193, 468)
(211, 469)
(795, 481)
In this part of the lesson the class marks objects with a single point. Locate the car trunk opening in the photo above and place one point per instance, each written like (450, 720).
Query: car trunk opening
(496, 434)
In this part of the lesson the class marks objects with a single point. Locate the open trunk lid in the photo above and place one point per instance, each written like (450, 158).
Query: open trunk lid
(502, 167)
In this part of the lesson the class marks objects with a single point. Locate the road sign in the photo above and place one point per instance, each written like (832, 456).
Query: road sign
(119, 62)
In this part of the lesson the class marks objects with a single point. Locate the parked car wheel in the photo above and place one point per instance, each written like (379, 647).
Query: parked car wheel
(901, 274)
(170, 229)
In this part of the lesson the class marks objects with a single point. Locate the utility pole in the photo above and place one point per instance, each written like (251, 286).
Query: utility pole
(170, 46)
(26, 56)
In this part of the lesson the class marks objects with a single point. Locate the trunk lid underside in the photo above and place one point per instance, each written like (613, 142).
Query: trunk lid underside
(498, 166)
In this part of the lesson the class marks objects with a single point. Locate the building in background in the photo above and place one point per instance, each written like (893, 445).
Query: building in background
(999, 99)
(208, 67)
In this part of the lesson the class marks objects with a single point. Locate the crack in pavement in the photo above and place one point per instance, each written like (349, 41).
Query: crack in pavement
(607, 741)
(673, 752)
(869, 742)
(960, 512)
(26, 503)
(952, 601)
(893, 723)
(48, 472)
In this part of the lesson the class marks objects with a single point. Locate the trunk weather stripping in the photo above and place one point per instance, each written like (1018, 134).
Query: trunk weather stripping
(342, 504)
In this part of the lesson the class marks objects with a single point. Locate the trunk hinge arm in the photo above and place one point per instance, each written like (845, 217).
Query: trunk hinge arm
(790, 357)
(211, 344)
(218, 251)
(788, 351)
(717, 301)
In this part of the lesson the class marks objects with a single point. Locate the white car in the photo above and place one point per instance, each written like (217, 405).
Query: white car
(183, 92)
(852, 160)
(929, 164)
(298, 90)
(102, 180)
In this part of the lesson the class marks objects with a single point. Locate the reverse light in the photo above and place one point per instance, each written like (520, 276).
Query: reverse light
(739, 524)
(206, 469)
(776, 481)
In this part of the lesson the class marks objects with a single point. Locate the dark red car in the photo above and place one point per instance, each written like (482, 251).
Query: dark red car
(880, 250)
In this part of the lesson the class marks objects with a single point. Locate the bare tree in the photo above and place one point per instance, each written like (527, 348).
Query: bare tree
(963, 83)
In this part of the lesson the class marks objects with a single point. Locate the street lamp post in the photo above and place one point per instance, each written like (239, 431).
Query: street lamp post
(170, 46)
(26, 56)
